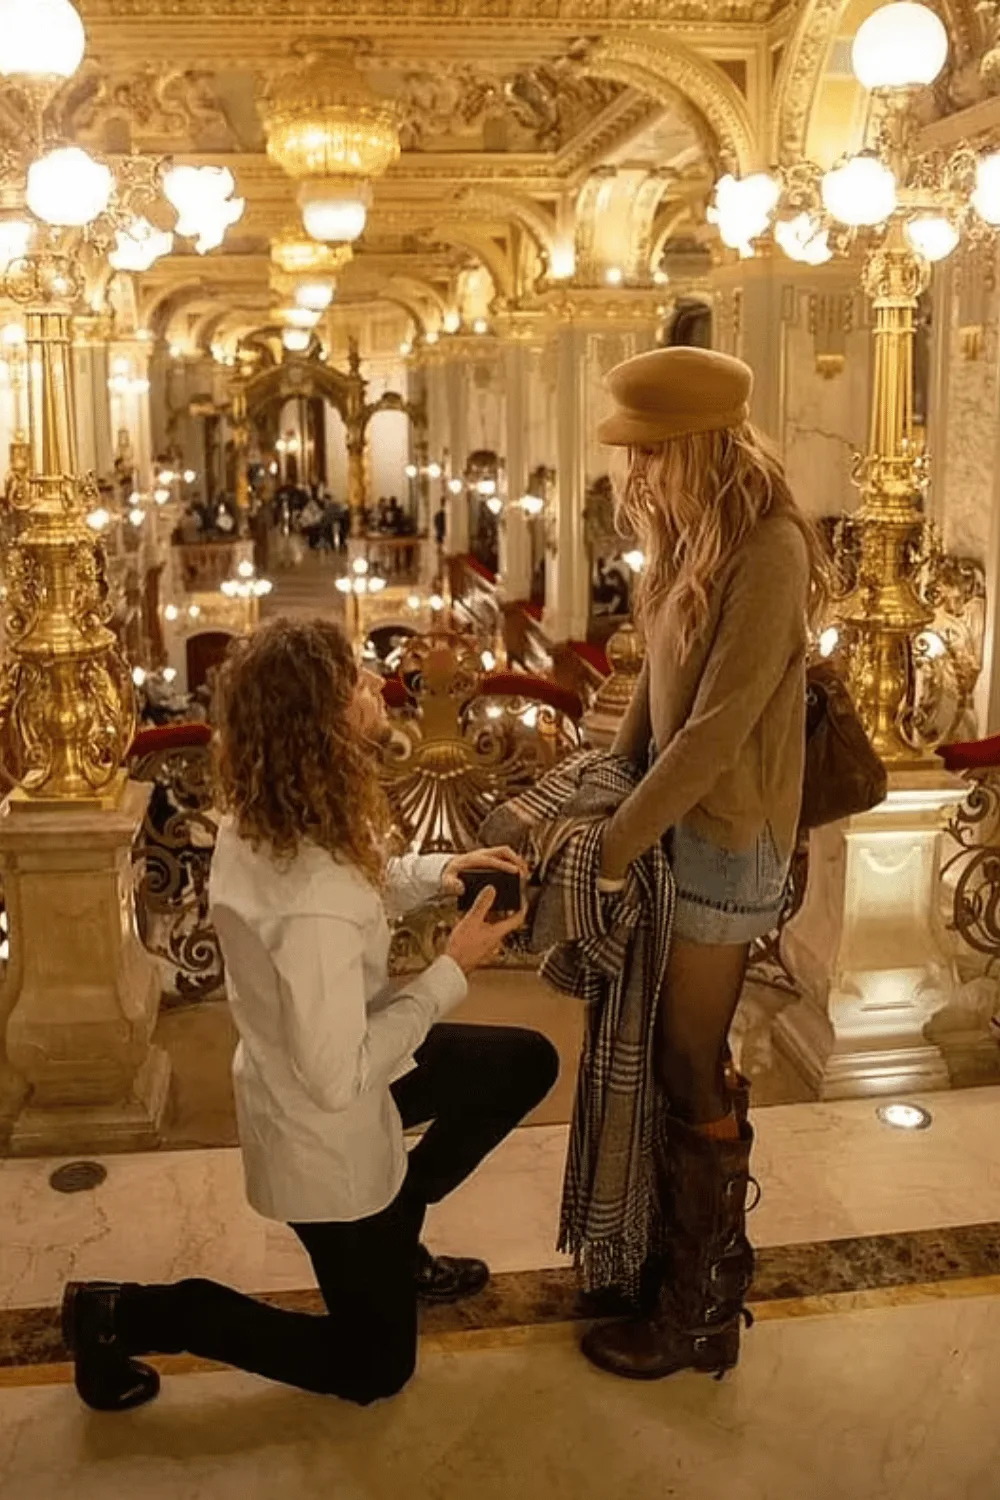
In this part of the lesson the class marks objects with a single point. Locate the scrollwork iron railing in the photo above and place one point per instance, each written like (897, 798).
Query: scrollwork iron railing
(173, 855)
(971, 872)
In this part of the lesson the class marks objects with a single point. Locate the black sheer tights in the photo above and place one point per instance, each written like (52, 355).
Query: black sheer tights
(695, 1013)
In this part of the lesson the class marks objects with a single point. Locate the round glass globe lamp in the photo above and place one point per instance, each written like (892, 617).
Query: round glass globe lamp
(296, 340)
(932, 236)
(860, 193)
(986, 195)
(314, 296)
(67, 188)
(16, 235)
(900, 46)
(334, 211)
(803, 239)
(40, 39)
(299, 317)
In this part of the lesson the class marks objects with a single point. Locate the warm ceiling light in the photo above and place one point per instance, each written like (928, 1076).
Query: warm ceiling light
(932, 236)
(742, 209)
(205, 206)
(986, 195)
(860, 193)
(299, 317)
(335, 208)
(15, 237)
(40, 39)
(297, 255)
(328, 129)
(803, 239)
(67, 188)
(296, 340)
(315, 296)
(900, 46)
(138, 246)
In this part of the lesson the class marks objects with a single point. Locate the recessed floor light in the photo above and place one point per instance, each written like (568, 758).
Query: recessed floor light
(904, 1116)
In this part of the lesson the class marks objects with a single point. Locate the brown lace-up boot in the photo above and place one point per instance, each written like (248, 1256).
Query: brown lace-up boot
(695, 1324)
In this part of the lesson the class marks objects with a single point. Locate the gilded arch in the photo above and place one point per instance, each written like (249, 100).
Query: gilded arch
(681, 77)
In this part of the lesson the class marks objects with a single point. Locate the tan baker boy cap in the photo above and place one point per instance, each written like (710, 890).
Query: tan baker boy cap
(669, 393)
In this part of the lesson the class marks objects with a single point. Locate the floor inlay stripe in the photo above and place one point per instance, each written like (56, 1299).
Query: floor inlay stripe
(791, 1280)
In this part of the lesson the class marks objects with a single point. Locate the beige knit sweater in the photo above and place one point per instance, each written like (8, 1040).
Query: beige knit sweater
(728, 716)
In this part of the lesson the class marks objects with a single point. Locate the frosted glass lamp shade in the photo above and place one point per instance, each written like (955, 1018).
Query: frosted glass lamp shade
(15, 237)
(861, 192)
(314, 296)
(900, 46)
(299, 317)
(932, 236)
(743, 208)
(40, 39)
(804, 240)
(67, 188)
(205, 206)
(986, 196)
(334, 211)
(296, 340)
(138, 246)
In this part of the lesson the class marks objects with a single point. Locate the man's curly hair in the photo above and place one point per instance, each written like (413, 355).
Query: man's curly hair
(290, 766)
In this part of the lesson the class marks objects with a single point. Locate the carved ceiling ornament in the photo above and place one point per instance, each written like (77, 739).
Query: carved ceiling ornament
(157, 104)
(677, 76)
(537, 107)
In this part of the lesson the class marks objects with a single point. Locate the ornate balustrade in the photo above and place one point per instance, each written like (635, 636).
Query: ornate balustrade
(462, 741)
(971, 869)
(205, 566)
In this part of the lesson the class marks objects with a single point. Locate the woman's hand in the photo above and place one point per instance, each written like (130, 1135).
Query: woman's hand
(498, 858)
(475, 938)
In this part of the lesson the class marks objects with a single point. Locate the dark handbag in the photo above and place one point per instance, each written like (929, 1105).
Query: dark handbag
(843, 775)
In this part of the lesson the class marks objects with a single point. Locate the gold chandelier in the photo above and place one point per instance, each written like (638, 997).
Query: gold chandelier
(328, 129)
(295, 254)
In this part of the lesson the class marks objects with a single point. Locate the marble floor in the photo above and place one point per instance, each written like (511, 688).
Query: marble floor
(827, 1171)
(870, 1374)
(896, 1403)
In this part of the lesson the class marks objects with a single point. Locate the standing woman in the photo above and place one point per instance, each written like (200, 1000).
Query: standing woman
(733, 573)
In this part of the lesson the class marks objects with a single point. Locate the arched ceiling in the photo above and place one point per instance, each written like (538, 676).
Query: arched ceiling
(531, 130)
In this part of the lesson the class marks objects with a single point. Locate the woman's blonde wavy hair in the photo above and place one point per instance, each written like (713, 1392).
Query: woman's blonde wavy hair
(290, 765)
(690, 503)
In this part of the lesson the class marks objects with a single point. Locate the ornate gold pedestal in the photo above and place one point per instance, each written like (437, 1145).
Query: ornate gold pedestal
(83, 992)
(81, 995)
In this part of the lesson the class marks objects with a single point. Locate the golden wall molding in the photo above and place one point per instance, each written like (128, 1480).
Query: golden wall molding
(330, 14)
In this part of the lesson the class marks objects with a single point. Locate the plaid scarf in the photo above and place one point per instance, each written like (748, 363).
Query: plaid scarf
(610, 950)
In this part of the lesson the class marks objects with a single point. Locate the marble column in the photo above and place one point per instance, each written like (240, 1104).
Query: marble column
(567, 580)
(456, 390)
(515, 537)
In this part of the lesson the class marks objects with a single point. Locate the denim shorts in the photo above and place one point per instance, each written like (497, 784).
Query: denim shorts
(724, 897)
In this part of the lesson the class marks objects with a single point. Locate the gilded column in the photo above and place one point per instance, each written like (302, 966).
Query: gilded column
(79, 1011)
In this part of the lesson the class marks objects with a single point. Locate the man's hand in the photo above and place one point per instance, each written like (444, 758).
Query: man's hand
(498, 858)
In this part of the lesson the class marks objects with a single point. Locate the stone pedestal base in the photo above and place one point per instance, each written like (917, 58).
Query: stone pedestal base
(870, 950)
(82, 994)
